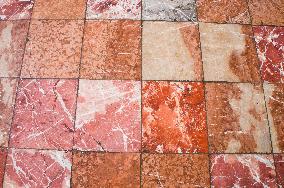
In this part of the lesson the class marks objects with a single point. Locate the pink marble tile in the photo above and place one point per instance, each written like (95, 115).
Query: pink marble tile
(33, 168)
(44, 114)
(15, 9)
(3, 154)
(108, 116)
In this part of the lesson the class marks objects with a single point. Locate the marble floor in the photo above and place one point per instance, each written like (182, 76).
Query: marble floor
(141, 93)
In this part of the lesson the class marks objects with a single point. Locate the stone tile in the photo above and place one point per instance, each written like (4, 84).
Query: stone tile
(15, 9)
(169, 10)
(59, 9)
(267, 12)
(7, 99)
(35, 168)
(53, 49)
(112, 50)
(171, 51)
(279, 164)
(106, 170)
(108, 116)
(175, 170)
(13, 39)
(228, 53)
(44, 114)
(236, 118)
(114, 9)
(3, 154)
(270, 49)
(223, 11)
(274, 96)
(173, 117)
(243, 171)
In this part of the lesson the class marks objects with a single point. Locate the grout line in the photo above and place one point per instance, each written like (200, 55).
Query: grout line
(141, 104)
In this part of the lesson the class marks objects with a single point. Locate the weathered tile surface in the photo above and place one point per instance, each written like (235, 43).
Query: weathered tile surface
(114, 9)
(106, 170)
(228, 53)
(13, 39)
(171, 51)
(108, 116)
(59, 9)
(15, 9)
(279, 165)
(173, 117)
(44, 114)
(175, 170)
(112, 50)
(53, 49)
(270, 49)
(274, 96)
(7, 98)
(236, 118)
(3, 154)
(243, 171)
(169, 10)
(35, 168)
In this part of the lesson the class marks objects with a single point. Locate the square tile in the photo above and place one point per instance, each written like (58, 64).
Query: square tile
(7, 99)
(3, 154)
(274, 96)
(53, 49)
(173, 117)
(169, 10)
(279, 166)
(112, 50)
(13, 39)
(267, 12)
(171, 51)
(59, 9)
(15, 9)
(175, 170)
(106, 170)
(236, 118)
(108, 116)
(114, 9)
(44, 114)
(228, 53)
(223, 11)
(243, 171)
(270, 50)
(35, 168)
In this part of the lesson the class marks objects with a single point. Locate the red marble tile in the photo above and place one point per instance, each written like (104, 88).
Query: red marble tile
(174, 117)
(243, 171)
(3, 154)
(44, 114)
(108, 116)
(270, 49)
(279, 165)
(33, 168)
(15, 9)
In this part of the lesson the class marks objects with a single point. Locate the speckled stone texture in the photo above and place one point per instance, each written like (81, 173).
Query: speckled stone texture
(270, 49)
(236, 118)
(53, 49)
(169, 10)
(3, 154)
(35, 168)
(13, 39)
(15, 9)
(228, 53)
(243, 171)
(112, 50)
(267, 12)
(106, 170)
(175, 170)
(223, 11)
(171, 51)
(108, 116)
(114, 9)
(59, 9)
(7, 98)
(173, 117)
(44, 114)
(279, 166)
(274, 96)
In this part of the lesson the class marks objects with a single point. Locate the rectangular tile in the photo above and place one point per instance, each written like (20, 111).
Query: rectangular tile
(3, 155)
(279, 166)
(15, 9)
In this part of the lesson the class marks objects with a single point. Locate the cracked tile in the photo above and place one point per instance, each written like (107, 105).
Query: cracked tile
(16, 9)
